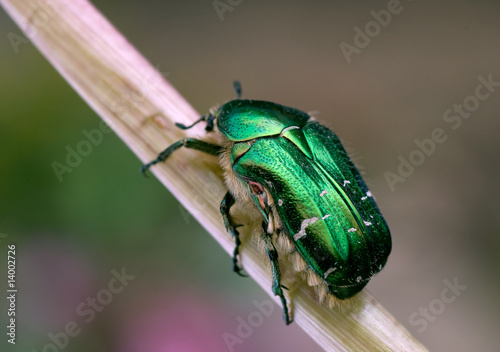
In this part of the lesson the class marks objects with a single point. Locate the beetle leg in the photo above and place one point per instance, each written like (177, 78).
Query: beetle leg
(188, 143)
(208, 117)
(184, 127)
(225, 206)
(272, 254)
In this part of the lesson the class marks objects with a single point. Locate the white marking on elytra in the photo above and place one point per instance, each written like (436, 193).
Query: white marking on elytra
(329, 271)
(346, 182)
(305, 223)
(289, 128)
(323, 193)
(367, 223)
(358, 279)
(280, 202)
(352, 229)
(363, 198)
(369, 194)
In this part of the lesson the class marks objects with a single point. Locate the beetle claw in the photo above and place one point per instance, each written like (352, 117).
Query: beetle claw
(145, 168)
(238, 270)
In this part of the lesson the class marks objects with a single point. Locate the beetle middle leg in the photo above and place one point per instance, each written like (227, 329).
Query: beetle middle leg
(188, 143)
(225, 206)
(272, 254)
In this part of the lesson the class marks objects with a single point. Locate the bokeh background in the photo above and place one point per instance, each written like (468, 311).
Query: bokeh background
(105, 216)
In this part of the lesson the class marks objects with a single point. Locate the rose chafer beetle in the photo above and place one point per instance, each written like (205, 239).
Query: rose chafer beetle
(311, 199)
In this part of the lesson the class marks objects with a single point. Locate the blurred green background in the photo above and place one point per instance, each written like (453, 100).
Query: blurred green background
(105, 216)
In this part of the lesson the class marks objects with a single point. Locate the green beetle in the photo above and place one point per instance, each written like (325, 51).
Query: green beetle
(311, 198)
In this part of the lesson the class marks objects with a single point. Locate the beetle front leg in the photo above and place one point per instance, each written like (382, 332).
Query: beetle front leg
(188, 143)
(209, 118)
(272, 254)
(225, 207)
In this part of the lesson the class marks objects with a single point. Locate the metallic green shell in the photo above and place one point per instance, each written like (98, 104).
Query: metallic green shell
(243, 120)
(325, 206)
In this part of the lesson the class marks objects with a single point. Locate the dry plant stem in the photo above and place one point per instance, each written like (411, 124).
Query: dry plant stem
(141, 107)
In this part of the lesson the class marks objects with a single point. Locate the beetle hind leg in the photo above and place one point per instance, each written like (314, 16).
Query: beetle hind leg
(225, 206)
(236, 268)
(272, 254)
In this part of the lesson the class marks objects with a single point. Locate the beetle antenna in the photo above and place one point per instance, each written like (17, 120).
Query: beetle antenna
(210, 122)
(237, 88)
